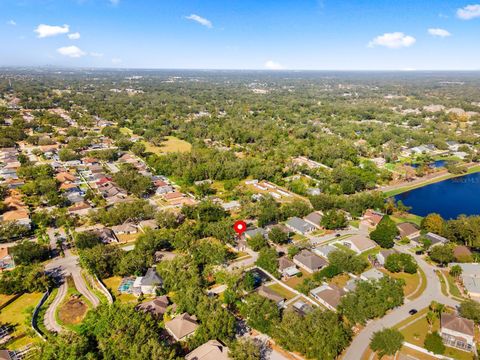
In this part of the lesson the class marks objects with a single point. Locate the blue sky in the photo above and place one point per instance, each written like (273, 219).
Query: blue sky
(242, 34)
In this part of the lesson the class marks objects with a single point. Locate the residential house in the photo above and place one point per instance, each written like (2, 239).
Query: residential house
(359, 243)
(302, 308)
(287, 267)
(470, 277)
(124, 229)
(372, 217)
(173, 196)
(324, 250)
(157, 307)
(314, 218)
(434, 239)
(106, 235)
(182, 326)
(6, 259)
(164, 189)
(458, 332)
(328, 295)
(270, 294)
(408, 230)
(80, 209)
(150, 224)
(211, 350)
(252, 232)
(384, 254)
(309, 261)
(19, 216)
(462, 254)
(299, 226)
(232, 205)
(147, 284)
(372, 274)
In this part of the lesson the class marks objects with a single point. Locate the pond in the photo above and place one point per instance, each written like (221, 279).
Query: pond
(435, 164)
(449, 198)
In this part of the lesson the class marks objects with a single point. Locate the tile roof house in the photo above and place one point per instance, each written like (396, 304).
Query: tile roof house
(20, 216)
(314, 218)
(457, 332)
(309, 261)
(211, 350)
(299, 226)
(182, 326)
(287, 267)
(157, 307)
(147, 284)
(328, 295)
(270, 294)
(359, 243)
(80, 208)
(372, 217)
(408, 230)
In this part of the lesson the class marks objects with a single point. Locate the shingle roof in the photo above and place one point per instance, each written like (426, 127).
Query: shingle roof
(182, 326)
(310, 260)
(151, 278)
(457, 323)
(211, 350)
(270, 294)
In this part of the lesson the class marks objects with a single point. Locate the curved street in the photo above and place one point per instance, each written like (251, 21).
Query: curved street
(50, 320)
(432, 292)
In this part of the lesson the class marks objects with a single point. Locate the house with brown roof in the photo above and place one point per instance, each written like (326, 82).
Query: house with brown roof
(211, 350)
(287, 267)
(173, 196)
(462, 254)
(20, 216)
(458, 332)
(80, 209)
(124, 229)
(271, 294)
(359, 243)
(157, 307)
(309, 261)
(314, 218)
(384, 254)
(328, 295)
(182, 326)
(408, 230)
(65, 177)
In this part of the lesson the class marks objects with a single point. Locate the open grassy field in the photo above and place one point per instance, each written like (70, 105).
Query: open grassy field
(112, 285)
(18, 314)
(170, 145)
(412, 218)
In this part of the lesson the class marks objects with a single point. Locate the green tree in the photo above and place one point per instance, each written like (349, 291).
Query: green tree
(470, 309)
(433, 223)
(244, 349)
(442, 254)
(267, 259)
(334, 219)
(456, 271)
(433, 342)
(386, 342)
(278, 236)
(28, 252)
(261, 313)
(257, 242)
(385, 233)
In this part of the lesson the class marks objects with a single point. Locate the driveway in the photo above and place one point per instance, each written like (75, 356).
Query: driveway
(432, 293)
(49, 320)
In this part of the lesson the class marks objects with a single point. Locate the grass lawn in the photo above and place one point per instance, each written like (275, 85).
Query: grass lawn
(125, 238)
(112, 285)
(170, 145)
(4, 298)
(415, 219)
(355, 223)
(73, 308)
(373, 251)
(422, 287)
(340, 280)
(18, 314)
(452, 285)
(411, 281)
(416, 333)
(282, 291)
(294, 281)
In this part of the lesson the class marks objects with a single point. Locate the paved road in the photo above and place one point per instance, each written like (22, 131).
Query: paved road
(246, 262)
(64, 267)
(49, 320)
(432, 293)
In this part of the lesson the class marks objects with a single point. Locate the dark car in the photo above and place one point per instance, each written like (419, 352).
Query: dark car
(337, 235)
(413, 311)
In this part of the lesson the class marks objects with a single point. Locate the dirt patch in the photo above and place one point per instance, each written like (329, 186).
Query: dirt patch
(73, 311)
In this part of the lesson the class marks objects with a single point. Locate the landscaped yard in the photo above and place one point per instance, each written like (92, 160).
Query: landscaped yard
(73, 308)
(452, 285)
(18, 314)
(282, 291)
(5, 298)
(415, 219)
(411, 281)
(112, 285)
(294, 280)
(416, 332)
(124, 238)
(340, 280)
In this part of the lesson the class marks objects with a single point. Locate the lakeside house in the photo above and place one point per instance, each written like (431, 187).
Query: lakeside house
(408, 230)
(457, 332)
(432, 237)
(372, 217)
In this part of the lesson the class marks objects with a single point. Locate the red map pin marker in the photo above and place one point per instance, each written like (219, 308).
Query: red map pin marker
(240, 227)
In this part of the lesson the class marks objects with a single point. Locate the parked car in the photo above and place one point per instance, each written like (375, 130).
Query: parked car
(412, 311)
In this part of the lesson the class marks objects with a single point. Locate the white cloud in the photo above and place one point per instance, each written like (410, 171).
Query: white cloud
(11, 22)
(96, 54)
(393, 40)
(74, 36)
(44, 31)
(71, 51)
(116, 61)
(200, 20)
(439, 32)
(273, 65)
(469, 12)
(114, 2)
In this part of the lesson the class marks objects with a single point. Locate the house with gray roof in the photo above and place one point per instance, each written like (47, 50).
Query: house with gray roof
(309, 261)
(147, 284)
(434, 238)
(470, 277)
(252, 232)
(314, 218)
(299, 226)
(324, 250)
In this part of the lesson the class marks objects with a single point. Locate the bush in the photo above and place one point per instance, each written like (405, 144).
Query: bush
(433, 342)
